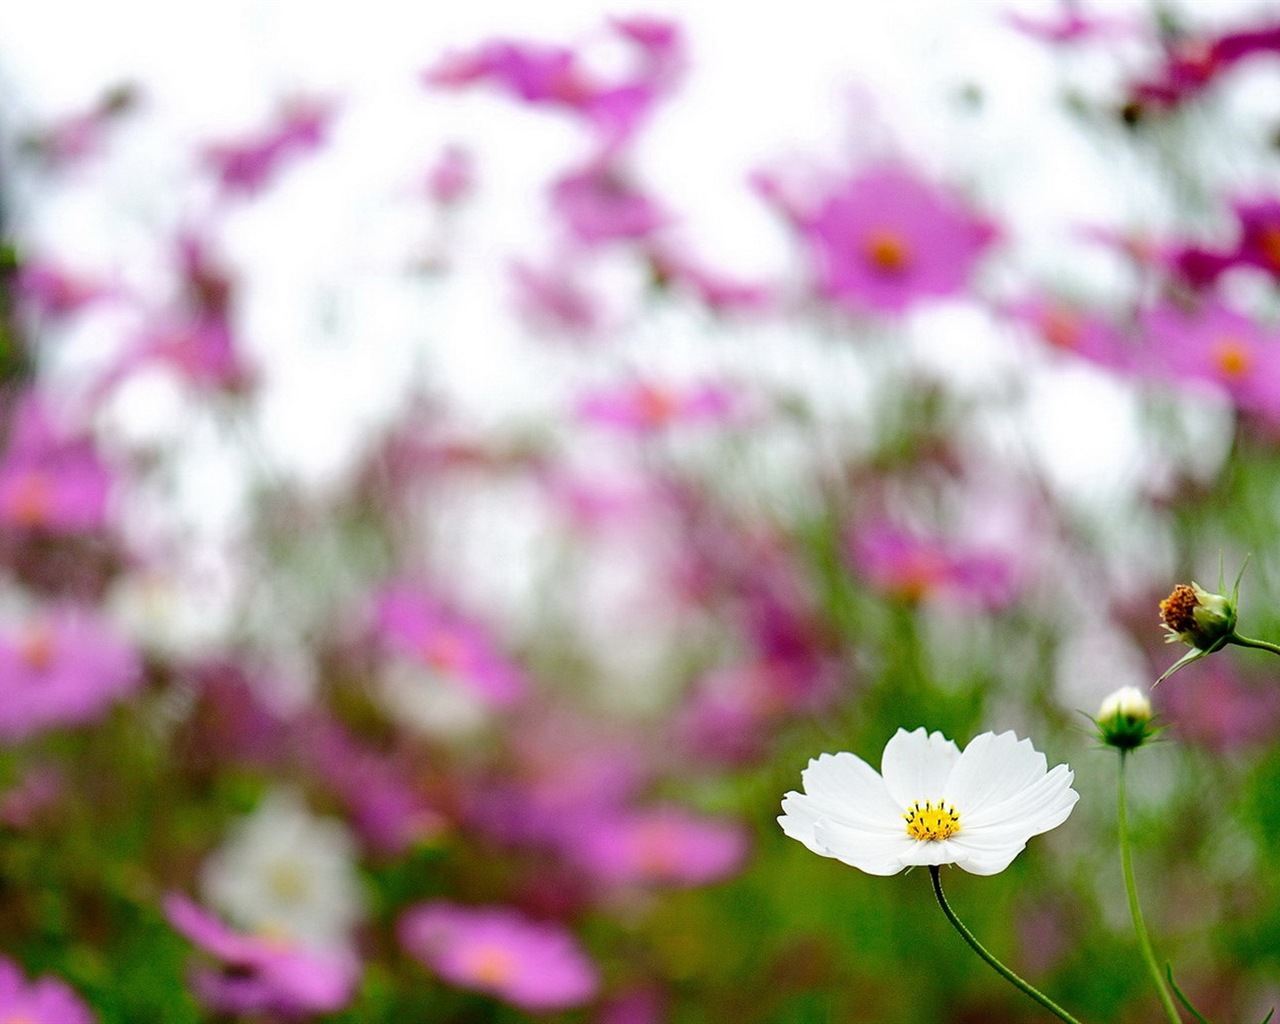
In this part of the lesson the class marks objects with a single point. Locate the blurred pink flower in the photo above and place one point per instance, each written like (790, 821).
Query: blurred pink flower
(643, 407)
(1074, 331)
(452, 177)
(246, 165)
(74, 138)
(47, 1000)
(909, 567)
(64, 666)
(599, 204)
(1215, 345)
(665, 845)
(557, 76)
(537, 966)
(50, 478)
(262, 974)
(1259, 233)
(384, 805)
(886, 240)
(717, 291)
(39, 787)
(1195, 60)
(1070, 24)
(416, 624)
(1220, 710)
(48, 289)
(552, 299)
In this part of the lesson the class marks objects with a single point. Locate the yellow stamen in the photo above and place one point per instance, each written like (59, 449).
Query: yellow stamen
(444, 652)
(1232, 357)
(491, 965)
(929, 823)
(31, 500)
(888, 251)
(1060, 328)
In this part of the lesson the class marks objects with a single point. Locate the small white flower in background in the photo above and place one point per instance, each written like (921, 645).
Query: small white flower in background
(932, 804)
(285, 873)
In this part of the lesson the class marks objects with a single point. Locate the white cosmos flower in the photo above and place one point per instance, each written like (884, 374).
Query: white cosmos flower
(932, 804)
(287, 873)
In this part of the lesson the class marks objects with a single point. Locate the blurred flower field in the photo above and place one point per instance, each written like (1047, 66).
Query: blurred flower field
(659, 684)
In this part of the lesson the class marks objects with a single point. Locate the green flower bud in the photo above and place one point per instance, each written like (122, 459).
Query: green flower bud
(1198, 618)
(1124, 719)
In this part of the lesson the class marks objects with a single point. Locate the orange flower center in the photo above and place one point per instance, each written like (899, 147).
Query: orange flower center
(36, 647)
(444, 652)
(1269, 243)
(1232, 357)
(491, 965)
(655, 405)
(1177, 611)
(31, 499)
(888, 251)
(1060, 328)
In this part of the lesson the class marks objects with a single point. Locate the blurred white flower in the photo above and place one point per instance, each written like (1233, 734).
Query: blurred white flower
(932, 805)
(286, 873)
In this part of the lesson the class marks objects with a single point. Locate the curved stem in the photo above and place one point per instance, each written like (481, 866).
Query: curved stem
(999, 968)
(1135, 909)
(1262, 645)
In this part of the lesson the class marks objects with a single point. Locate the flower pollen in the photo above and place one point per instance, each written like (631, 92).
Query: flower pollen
(1269, 243)
(1232, 358)
(888, 251)
(1177, 611)
(491, 965)
(929, 823)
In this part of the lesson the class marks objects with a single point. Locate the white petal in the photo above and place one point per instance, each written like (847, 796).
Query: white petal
(879, 852)
(1036, 808)
(916, 765)
(993, 769)
(798, 818)
(844, 787)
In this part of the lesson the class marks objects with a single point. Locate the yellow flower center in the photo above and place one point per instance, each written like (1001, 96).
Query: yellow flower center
(31, 500)
(1269, 243)
(1232, 357)
(929, 823)
(655, 406)
(887, 250)
(491, 965)
(36, 646)
(1060, 328)
(288, 882)
(444, 652)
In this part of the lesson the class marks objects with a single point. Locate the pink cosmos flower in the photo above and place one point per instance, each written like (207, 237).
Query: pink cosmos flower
(416, 624)
(598, 204)
(537, 966)
(64, 666)
(1259, 233)
(1076, 332)
(1195, 61)
(50, 478)
(1217, 346)
(644, 407)
(886, 240)
(665, 845)
(385, 806)
(558, 77)
(1221, 710)
(49, 289)
(262, 974)
(909, 567)
(73, 139)
(553, 299)
(245, 166)
(452, 177)
(46, 1000)
(718, 292)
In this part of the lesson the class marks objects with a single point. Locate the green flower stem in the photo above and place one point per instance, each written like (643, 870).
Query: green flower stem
(1244, 641)
(981, 950)
(1135, 910)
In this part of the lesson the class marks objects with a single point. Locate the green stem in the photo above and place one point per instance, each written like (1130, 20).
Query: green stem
(1244, 641)
(1135, 910)
(999, 968)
